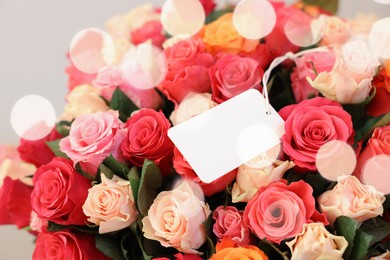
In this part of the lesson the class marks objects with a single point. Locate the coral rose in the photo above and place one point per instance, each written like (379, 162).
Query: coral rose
(232, 75)
(352, 199)
(221, 36)
(311, 124)
(147, 138)
(66, 245)
(110, 204)
(59, 193)
(315, 242)
(229, 223)
(279, 211)
(176, 218)
(92, 138)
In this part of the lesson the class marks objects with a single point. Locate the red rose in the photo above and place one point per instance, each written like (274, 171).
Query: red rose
(311, 124)
(66, 245)
(15, 203)
(37, 152)
(232, 75)
(188, 65)
(184, 169)
(59, 193)
(151, 30)
(147, 138)
(261, 54)
(380, 104)
(279, 211)
(208, 6)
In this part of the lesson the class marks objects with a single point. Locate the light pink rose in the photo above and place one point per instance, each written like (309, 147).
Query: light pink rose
(336, 30)
(110, 204)
(352, 199)
(92, 138)
(229, 223)
(315, 242)
(255, 174)
(176, 218)
(36, 223)
(362, 23)
(309, 65)
(191, 106)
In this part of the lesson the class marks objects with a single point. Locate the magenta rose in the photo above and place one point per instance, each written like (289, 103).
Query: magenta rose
(15, 204)
(147, 138)
(229, 223)
(310, 65)
(59, 193)
(184, 169)
(66, 245)
(279, 211)
(311, 124)
(92, 138)
(188, 64)
(232, 75)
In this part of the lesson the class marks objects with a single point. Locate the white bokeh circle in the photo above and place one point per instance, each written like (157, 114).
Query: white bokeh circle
(379, 38)
(376, 172)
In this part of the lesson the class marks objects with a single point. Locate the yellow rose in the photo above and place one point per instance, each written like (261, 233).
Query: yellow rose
(221, 35)
(315, 242)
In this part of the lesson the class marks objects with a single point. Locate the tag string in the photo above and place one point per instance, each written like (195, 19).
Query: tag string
(276, 62)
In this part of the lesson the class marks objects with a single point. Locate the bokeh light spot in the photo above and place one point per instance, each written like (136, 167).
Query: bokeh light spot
(91, 50)
(144, 66)
(385, 2)
(376, 172)
(182, 17)
(33, 117)
(254, 19)
(334, 159)
(379, 38)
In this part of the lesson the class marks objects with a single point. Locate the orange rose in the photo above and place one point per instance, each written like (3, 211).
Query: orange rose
(221, 35)
(247, 252)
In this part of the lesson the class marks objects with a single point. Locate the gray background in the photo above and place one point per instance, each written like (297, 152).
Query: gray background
(34, 37)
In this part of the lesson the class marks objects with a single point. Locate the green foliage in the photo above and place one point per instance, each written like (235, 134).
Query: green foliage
(55, 148)
(63, 128)
(118, 168)
(217, 13)
(328, 5)
(134, 178)
(364, 132)
(123, 104)
(110, 246)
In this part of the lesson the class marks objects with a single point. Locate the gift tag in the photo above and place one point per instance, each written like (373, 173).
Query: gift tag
(228, 135)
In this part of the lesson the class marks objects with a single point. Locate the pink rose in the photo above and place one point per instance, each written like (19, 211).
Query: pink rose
(352, 199)
(151, 30)
(311, 124)
(380, 105)
(110, 205)
(176, 218)
(92, 138)
(229, 223)
(232, 75)
(208, 6)
(309, 65)
(261, 54)
(183, 168)
(112, 77)
(59, 193)
(77, 77)
(15, 203)
(188, 65)
(66, 245)
(147, 138)
(279, 211)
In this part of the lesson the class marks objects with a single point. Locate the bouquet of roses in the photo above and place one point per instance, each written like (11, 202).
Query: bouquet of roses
(107, 182)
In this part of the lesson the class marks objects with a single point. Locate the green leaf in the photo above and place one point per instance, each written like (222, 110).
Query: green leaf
(134, 179)
(109, 246)
(361, 244)
(328, 5)
(346, 227)
(55, 148)
(83, 173)
(53, 227)
(216, 14)
(366, 130)
(117, 167)
(63, 128)
(272, 251)
(150, 181)
(377, 228)
(123, 104)
(135, 227)
(386, 204)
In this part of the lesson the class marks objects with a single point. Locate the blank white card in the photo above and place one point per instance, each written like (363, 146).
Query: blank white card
(228, 135)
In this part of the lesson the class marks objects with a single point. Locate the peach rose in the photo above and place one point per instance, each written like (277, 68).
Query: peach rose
(176, 218)
(352, 199)
(384, 256)
(221, 35)
(191, 106)
(339, 87)
(315, 242)
(255, 174)
(247, 252)
(83, 99)
(362, 23)
(110, 204)
(336, 30)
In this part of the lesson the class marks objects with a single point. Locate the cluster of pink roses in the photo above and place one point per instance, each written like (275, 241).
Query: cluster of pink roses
(107, 182)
